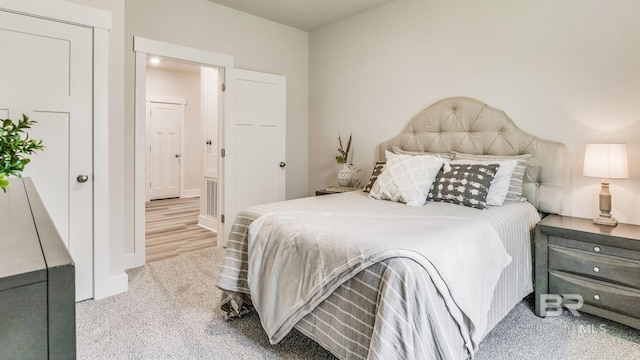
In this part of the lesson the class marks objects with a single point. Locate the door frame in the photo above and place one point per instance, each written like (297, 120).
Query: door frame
(144, 47)
(107, 280)
(173, 100)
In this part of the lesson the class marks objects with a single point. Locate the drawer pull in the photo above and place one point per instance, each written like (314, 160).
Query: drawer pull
(596, 249)
(596, 297)
(596, 269)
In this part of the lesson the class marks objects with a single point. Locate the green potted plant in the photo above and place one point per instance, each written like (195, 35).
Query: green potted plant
(15, 145)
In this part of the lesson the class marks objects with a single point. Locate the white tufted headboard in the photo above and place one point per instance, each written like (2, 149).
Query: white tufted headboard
(469, 126)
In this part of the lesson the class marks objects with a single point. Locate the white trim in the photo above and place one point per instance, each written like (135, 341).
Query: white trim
(201, 57)
(183, 118)
(137, 258)
(167, 99)
(109, 277)
(190, 193)
(223, 229)
(61, 11)
(111, 286)
(208, 223)
(147, 159)
(142, 47)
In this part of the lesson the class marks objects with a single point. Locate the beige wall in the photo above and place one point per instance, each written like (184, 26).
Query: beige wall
(255, 44)
(185, 85)
(562, 70)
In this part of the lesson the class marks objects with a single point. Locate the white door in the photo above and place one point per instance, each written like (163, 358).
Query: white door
(254, 137)
(164, 150)
(46, 73)
(210, 99)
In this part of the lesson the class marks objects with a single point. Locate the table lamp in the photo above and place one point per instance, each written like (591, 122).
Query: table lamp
(606, 161)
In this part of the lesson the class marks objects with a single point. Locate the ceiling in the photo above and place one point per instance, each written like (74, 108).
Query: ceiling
(303, 14)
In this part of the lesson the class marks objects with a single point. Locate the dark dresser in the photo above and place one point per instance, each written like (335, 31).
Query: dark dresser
(37, 280)
(600, 263)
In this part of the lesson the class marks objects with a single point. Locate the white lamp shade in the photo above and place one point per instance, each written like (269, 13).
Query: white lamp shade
(607, 161)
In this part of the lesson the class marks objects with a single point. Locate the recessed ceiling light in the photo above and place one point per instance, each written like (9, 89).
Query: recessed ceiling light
(155, 60)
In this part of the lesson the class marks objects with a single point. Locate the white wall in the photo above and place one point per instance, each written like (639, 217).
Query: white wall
(255, 43)
(562, 70)
(185, 85)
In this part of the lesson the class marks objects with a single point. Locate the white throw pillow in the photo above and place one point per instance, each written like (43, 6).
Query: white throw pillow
(500, 184)
(406, 178)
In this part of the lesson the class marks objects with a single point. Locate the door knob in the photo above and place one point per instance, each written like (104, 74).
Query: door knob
(177, 155)
(82, 178)
(208, 142)
(282, 164)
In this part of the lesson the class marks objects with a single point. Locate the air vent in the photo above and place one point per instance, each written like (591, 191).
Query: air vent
(212, 197)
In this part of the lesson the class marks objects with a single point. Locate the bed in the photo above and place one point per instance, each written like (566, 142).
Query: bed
(356, 275)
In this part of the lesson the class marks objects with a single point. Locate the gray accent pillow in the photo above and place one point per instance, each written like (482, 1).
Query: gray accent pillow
(377, 169)
(517, 177)
(465, 184)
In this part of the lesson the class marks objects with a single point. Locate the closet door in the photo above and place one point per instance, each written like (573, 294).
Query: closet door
(46, 73)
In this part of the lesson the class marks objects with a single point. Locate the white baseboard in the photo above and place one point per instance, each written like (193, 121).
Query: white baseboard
(114, 285)
(132, 260)
(190, 193)
(208, 223)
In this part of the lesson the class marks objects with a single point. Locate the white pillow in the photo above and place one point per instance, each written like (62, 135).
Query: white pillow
(397, 150)
(500, 184)
(406, 178)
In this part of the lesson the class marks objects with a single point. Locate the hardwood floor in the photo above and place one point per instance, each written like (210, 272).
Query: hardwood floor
(172, 228)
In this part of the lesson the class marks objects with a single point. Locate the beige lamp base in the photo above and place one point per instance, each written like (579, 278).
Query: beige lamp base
(610, 221)
(605, 217)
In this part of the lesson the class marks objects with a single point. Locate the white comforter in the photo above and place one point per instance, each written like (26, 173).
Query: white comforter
(297, 259)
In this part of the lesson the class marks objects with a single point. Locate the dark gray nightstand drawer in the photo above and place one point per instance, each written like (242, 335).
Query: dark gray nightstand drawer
(601, 263)
(603, 267)
(615, 298)
(595, 248)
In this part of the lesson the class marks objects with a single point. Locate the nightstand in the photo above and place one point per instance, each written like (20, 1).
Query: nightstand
(335, 190)
(599, 263)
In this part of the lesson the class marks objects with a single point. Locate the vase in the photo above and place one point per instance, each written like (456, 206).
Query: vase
(344, 175)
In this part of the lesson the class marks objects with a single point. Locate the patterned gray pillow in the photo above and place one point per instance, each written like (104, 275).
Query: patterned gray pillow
(377, 169)
(515, 188)
(465, 184)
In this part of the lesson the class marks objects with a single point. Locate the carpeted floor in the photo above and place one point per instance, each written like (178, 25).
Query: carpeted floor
(171, 312)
